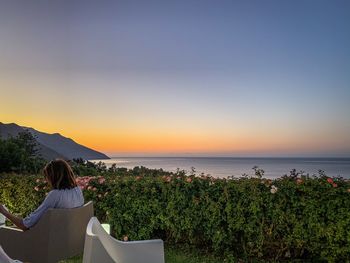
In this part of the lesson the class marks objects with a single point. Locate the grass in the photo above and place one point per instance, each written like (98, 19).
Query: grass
(173, 255)
(187, 255)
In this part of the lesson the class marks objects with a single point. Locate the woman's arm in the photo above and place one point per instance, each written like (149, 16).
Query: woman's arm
(14, 219)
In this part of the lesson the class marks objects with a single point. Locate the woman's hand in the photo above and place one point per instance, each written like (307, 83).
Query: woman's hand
(14, 219)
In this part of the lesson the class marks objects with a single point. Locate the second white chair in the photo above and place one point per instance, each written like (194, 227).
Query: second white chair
(103, 248)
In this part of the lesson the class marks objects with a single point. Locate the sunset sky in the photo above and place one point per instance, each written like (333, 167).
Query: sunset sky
(204, 78)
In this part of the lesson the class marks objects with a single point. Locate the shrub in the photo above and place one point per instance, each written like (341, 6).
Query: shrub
(292, 217)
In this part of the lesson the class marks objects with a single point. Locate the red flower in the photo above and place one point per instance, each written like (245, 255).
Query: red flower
(335, 185)
(330, 180)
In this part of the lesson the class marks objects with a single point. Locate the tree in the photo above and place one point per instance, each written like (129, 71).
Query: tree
(20, 154)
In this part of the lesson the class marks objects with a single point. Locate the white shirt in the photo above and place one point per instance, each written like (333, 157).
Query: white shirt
(65, 198)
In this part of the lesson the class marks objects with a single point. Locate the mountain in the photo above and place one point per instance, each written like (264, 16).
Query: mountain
(53, 146)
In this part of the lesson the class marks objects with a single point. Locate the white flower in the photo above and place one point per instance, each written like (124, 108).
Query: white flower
(273, 189)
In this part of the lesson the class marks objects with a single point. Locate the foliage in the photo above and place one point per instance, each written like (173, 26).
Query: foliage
(18, 193)
(295, 217)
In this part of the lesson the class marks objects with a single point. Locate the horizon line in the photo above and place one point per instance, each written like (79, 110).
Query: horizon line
(238, 157)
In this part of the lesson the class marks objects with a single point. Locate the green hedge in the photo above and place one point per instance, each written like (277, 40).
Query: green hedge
(294, 217)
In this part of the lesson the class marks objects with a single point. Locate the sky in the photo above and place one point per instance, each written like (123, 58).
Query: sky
(180, 78)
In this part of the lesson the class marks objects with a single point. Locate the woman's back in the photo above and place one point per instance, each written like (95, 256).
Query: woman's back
(63, 198)
(67, 198)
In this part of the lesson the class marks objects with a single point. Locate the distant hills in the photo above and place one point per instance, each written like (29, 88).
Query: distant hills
(54, 145)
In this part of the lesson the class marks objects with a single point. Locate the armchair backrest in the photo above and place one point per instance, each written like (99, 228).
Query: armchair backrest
(58, 235)
(98, 242)
(67, 230)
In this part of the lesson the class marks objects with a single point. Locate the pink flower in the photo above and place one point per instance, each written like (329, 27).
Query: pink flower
(101, 180)
(36, 188)
(125, 238)
(37, 180)
(89, 188)
(334, 185)
(94, 189)
(299, 181)
(189, 180)
(99, 196)
(138, 178)
(330, 180)
(167, 178)
(348, 190)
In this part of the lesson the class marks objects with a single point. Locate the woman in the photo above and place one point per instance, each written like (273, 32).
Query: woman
(64, 194)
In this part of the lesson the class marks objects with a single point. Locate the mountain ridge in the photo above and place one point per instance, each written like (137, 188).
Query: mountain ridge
(55, 145)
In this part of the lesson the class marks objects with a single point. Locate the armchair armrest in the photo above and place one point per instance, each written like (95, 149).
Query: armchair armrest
(11, 239)
(19, 244)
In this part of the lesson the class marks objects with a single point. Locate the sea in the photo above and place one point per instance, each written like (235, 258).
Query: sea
(223, 167)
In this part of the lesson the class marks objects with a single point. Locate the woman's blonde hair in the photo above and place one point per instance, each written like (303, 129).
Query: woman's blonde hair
(59, 174)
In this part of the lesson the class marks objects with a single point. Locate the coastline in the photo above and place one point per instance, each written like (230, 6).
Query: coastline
(236, 166)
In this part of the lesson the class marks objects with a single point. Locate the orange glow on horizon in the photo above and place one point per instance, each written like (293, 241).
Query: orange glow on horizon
(110, 139)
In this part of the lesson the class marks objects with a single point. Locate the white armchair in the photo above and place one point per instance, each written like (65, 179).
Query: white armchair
(103, 248)
(58, 235)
